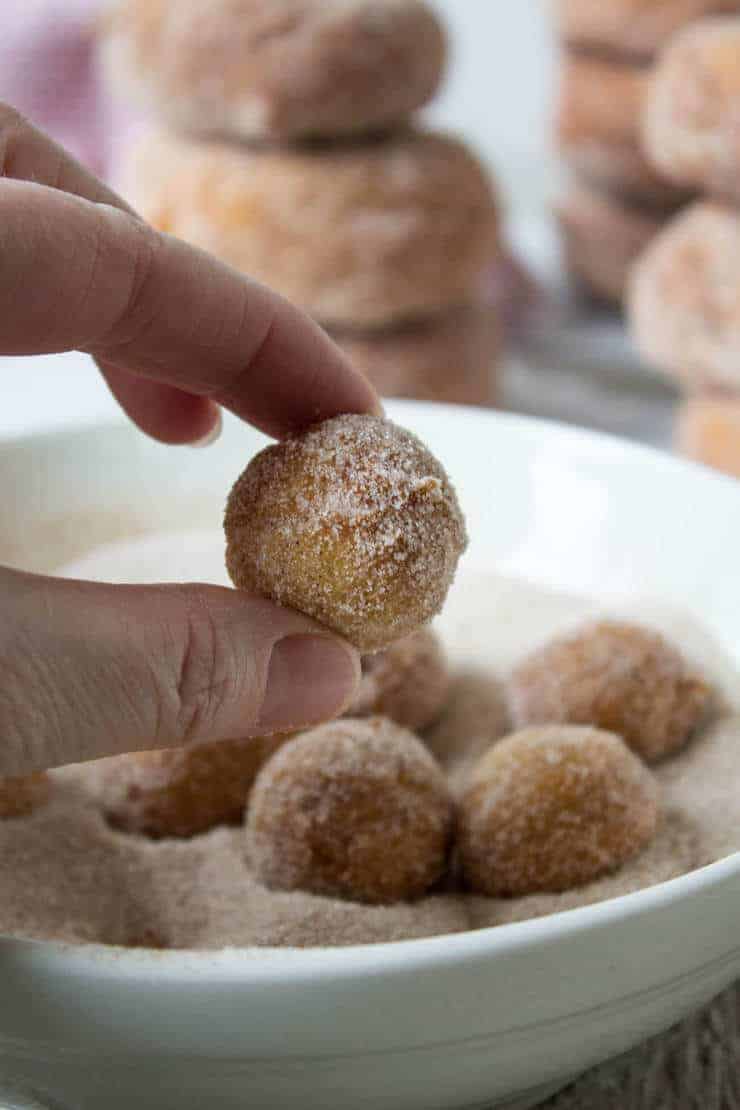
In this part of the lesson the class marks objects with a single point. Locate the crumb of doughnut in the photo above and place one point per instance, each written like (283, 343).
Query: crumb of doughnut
(23, 795)
(552, 808)
(355, 809)
(181, 792)
(408, 682)
(354, 523)
(616, 676)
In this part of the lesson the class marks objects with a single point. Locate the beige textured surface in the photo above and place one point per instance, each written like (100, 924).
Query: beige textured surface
(695, 1066)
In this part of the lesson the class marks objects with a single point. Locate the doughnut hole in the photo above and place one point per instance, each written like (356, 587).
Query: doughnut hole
(552, 808)
(182, 792)
(354, 523)
(615, 676)
(409, 682)
(354, 809)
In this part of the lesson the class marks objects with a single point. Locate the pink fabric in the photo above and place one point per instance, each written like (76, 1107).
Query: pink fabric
(49, 71)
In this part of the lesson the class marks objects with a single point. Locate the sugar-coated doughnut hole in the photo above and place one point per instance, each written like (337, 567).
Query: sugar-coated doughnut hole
(356, 809)
(21, 796)
(552, 808)
(408, 682)
(615, 676)
(354, 523)
(182, 792)
(684, 299)
(690, 122)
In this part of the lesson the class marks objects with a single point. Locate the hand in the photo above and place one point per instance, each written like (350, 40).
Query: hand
(91, 670)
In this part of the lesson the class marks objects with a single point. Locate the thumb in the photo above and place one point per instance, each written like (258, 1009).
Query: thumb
(88, 670)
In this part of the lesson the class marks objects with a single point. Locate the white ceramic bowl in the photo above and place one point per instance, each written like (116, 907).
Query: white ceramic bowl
(496, 1017)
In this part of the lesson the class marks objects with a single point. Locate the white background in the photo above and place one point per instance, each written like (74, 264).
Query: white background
(499, 90)
(497, 95)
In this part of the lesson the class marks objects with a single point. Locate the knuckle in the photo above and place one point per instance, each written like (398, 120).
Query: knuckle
(138, 305)
(204, 680)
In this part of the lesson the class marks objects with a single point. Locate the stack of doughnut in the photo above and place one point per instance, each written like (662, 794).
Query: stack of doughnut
(617, 197)
(287, 147)
(685, 298)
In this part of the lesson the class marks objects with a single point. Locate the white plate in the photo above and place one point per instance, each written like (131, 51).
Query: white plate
(499, 1016)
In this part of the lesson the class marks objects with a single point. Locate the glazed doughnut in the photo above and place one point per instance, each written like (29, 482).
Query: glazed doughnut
(599, 119)
(353, 522)
(708, 431)
(358, 235)
(552, 808)
(685, 298)
(691, 117)
(451, 357)
(637, 27)
(615, 676)
(408, 682)
(354, 809)
(602, 237)
(181, 792)
(21, 796)
(284, 70)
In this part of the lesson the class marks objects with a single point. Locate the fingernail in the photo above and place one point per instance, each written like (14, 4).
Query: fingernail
(310, 679)
(213, 435)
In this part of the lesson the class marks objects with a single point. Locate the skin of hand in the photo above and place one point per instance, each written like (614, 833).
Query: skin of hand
(89, 670)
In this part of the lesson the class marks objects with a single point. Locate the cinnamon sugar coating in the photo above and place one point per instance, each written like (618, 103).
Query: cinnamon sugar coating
(353, 522)
(637, 27)
(360, 235)
(615, 676)
(353, 809)
(601, 102)
(552, 808)
(284, 70)
(693, 109)
(408, 682)
(685, 298)
(22, 796)
(181, 792)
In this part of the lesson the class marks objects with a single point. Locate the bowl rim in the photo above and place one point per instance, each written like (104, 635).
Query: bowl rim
(265, 966)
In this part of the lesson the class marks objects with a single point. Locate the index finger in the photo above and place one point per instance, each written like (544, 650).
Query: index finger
(84, 274)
